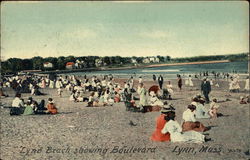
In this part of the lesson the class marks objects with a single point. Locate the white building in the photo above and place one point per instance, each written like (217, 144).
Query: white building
(47, 65)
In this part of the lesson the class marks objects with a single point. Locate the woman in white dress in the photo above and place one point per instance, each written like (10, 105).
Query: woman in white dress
(201, 111)
(170, 90)
(247, 84)
(51, 84)
(186, 82)
(231, 85)
(154, 101)
(190, 81)
(190, 122)
(176, 134)
(211, 82)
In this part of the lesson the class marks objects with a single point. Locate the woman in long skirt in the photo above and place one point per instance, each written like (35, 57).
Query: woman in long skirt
(176, 134)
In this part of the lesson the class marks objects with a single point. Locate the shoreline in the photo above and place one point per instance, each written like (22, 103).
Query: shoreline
(130, 67)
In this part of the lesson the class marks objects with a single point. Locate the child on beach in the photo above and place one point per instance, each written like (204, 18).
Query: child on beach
(59, 91)
(243, 100)
(51, 106)
(213, 108)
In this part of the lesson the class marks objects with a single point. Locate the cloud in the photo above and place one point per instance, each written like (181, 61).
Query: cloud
(154, 34)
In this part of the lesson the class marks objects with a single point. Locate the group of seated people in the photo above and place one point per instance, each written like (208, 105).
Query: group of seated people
(191, 130)
(168, 129)
(19, 107)
(201, 111)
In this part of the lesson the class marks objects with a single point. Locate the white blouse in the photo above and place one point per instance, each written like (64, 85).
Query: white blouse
(176, 135)
(189, 116)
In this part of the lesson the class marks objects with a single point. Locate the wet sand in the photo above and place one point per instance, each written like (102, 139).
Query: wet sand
(76, 130)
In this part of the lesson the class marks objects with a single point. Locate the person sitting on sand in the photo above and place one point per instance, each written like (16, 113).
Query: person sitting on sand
(51, 106)
(190, 123)
(243, 100)
(91, 100)
(117, 97)
(154, 100)
(29, 110)
(40, 109)
(72, 96)
(107, 98)
(160, 123)
(201, 111)
(18, 102)
(213, 108)
(177, 134)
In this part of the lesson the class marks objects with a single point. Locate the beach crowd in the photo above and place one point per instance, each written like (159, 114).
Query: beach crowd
(104, 91)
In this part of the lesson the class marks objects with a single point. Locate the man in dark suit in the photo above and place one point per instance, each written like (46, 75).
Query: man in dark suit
(160, 81)
(206, 88)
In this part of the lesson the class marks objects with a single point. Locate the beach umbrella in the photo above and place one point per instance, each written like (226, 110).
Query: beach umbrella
(154, 88)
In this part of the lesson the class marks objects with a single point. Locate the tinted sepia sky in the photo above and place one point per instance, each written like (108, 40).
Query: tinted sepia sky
(177, 29)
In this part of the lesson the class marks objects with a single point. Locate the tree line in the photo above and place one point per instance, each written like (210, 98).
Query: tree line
(13, 65)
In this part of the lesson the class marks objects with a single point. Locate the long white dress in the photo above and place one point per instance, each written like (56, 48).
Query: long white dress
(201, 112)
(176, 134)
(154, 101)
(187, 82)
(247, 84)
(190, 82)
(51, 84)
(231, 85)
(170, 89)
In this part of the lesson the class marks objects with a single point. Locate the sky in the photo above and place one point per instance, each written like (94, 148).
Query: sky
(130, 28)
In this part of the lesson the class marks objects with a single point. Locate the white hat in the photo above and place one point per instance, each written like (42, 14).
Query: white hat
(194, 103)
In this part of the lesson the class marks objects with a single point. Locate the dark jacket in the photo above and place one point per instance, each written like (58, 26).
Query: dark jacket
(205, 86)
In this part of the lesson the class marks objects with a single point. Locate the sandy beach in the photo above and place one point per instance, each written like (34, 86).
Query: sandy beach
(80, 132)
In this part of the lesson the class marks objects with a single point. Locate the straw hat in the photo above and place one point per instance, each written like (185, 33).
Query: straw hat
(194, 103)
(202, 99)
(167, 108)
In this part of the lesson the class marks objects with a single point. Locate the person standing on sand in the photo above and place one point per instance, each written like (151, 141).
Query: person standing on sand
(143, 95)
(179, 81)
(154, 77)
(190, 82)
(160, 81)
(206, 89)
(247, 84)
(140, 80)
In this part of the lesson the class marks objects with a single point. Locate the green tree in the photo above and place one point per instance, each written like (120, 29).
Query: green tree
(15, 64)
(61, 62)
(37, 62)
(27, 64)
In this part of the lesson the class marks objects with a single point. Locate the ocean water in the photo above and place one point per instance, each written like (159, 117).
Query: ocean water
(172, 71)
